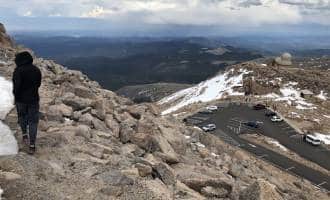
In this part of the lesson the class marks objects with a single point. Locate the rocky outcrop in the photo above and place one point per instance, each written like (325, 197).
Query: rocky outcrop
(5, 40)
(260, 190)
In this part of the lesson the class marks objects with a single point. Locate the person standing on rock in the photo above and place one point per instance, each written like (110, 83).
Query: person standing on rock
(27, 80)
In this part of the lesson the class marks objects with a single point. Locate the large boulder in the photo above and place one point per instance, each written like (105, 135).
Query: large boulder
(57, 112)
(144, 170)
(167, 152)
(125, 133)
(113, 125)
(83, 92)
(5, 40)
(77, 103)
(115, 178)
(165, 173)
(213, 192)
(260, 190)
(86, 119)
(100, 109)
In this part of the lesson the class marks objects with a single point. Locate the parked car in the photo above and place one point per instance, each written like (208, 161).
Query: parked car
(252, 124)
(209, 127)
(311, 139)
(270, 113)
(212, 108)
(205, 111)
(259, 107)
(276, 119)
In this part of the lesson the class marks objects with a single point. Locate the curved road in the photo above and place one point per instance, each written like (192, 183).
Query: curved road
(228, 120)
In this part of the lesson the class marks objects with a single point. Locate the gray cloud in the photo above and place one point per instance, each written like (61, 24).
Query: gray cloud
(308, 4)
(248, 3)
(177, 12)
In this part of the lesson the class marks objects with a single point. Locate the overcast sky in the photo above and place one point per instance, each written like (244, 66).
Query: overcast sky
(144, 14)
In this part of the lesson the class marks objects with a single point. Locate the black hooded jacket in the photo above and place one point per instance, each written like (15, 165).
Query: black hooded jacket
(26, 79)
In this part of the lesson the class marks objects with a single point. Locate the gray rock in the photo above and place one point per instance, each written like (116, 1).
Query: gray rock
(212, 192)
(77, 103)
(100, 109)
(235, 170)
(166, 173)
(86, 119)
(144, 170)
(83, 92)
(260, 190)
(125, 133)
(83, 131)
(57, 112)
(99, 125)
(115, 178)
(113, 125)
(144, 141)
(113, 191)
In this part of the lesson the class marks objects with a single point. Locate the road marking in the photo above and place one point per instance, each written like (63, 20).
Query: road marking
(262, 156)
(321, 184)
(295, 135)
(254, 146)
(288, 169)
(286, 128)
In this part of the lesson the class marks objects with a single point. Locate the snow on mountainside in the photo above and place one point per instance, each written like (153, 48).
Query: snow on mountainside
(215, 88)
(298, 94)
(8, 144)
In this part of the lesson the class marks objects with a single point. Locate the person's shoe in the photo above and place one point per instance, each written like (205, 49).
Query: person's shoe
(32, 150)
(25, 139)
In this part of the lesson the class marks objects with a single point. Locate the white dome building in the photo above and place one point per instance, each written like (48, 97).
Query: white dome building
(285, 59)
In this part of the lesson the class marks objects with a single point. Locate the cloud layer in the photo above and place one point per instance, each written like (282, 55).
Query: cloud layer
(246, 13)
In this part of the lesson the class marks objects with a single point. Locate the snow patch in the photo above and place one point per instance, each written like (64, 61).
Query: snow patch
(214, 155)
(209, 90)
(254, 146)
(3, 62)
(277, 144)
(8, 143)
(324, 138)
(1, 192)
(291, 96)
(6, 97)
(187, 137)
(322, 96)
(196, 127)
(200, 145)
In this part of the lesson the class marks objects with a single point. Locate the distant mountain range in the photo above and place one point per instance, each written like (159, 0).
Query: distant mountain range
(120, 62)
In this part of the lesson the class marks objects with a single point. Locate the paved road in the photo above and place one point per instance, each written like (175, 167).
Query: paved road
(227, 120)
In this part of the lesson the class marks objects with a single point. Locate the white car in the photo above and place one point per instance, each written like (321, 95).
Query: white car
(212, 108)
(276, 119)
(312, 140)
(209, 127)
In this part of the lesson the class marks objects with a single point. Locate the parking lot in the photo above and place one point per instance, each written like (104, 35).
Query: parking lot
(230, 119)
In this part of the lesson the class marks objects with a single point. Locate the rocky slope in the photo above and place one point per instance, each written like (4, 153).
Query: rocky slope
(93, 144)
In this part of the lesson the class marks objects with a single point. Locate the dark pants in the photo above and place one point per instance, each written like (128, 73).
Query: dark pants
(28, 118)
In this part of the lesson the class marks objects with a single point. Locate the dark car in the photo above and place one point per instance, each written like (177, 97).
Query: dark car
(252, 124)
(270, 113)
(259, 107)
